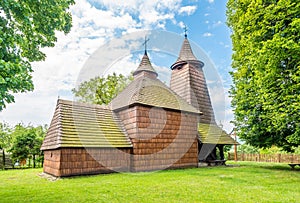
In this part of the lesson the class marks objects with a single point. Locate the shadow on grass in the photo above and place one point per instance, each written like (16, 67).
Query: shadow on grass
(281, 168)
(270, 166)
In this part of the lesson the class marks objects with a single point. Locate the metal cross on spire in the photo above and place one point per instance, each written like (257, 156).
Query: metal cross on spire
(185, 31)
(145, 44)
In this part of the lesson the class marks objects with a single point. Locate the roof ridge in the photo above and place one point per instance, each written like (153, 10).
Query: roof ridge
(78, 103)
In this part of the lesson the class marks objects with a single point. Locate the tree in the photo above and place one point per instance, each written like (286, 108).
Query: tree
(40, 133)
(5, 140)
(248, 149)
(26, 27)
(101, 90)
(27, 142)
(266, 71)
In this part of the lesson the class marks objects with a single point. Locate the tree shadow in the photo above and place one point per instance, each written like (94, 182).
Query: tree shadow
(281, 168)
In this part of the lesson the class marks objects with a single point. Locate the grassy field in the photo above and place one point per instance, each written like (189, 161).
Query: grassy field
(250, 182)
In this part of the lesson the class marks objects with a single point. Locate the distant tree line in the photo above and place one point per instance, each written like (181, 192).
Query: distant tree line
(23, 143)
(249, 149)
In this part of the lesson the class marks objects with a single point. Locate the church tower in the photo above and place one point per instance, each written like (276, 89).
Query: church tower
(188, 81)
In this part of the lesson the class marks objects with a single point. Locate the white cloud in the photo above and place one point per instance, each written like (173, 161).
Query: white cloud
(181, 24)
(207, 34)
(92, 27)
(150, 13)
(221, 103)
(217, 23)
(187, 10)
(123, 66)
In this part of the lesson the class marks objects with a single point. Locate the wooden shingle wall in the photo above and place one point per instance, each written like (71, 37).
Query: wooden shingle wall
(189, 83)
(80, 161)
(52, 162)
(161, 138)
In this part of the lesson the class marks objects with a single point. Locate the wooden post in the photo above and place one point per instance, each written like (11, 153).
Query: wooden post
(235, 147)
(3, 158)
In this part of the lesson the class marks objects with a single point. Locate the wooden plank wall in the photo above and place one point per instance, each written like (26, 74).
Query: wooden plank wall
(52, 162)
(161, 138)
(80, 161)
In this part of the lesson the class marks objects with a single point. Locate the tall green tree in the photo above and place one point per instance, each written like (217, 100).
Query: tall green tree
(25, 27)
(101, 90)
(266, 71)
(5, 140)
(27, 141)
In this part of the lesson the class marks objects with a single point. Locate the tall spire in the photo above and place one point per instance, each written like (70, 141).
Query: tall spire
(188, 81)
(186, 55)
(186, 52)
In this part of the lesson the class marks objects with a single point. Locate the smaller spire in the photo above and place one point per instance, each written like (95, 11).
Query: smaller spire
(145, 66)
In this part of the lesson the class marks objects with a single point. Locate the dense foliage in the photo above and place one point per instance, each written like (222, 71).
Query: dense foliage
(5, 140)
(22, 142)
(266, 71)
(101, 90)
(25, 27)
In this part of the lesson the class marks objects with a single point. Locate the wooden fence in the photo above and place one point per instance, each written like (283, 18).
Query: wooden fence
(278, 158)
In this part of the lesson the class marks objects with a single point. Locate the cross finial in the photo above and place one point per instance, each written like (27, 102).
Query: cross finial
(145, 44)
(185, 31)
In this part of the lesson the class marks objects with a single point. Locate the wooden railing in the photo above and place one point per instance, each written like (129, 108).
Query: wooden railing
(278, 158)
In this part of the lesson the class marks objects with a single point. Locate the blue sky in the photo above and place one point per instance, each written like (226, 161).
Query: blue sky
(96, 22)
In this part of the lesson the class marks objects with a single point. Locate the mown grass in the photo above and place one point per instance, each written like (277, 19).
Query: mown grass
(250, 182)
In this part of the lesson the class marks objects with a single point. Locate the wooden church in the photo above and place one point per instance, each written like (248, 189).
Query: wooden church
(148, 126)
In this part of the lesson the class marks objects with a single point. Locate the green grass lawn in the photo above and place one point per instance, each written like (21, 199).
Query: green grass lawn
(250, 182)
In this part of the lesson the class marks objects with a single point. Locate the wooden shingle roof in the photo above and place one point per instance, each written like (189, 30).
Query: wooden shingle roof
(186, 55)
(186, 52)
(152, 92)
(84, 125)
(145, 65)
(213, 134)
